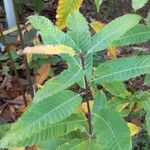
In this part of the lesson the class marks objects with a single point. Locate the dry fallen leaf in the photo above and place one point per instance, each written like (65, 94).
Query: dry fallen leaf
(42, 73)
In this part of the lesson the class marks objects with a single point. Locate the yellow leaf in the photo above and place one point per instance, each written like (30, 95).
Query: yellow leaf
(112, 52)
(36, 41)
(10, 30)
(120, 107)
(83, 107)
(49, 50)
(97, 26)
(64, 8)
(133, 129)
(39, 86)
(21, 148)
(29, 28)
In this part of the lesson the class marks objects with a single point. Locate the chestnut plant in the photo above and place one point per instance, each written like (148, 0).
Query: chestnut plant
(53, 121)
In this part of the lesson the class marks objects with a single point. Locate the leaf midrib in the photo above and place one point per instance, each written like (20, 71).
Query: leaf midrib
(105, 38)
(56, 108)
(119, 146)
(126, 70)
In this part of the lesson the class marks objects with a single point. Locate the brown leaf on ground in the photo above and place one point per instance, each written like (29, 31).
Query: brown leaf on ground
(42, 73)
(20, 109)
(10, 110)
(32, 148)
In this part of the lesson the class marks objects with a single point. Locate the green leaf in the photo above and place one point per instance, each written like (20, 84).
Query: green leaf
(137, 4)
(40, 116)
(71, 145)
(100, 101)
(38, 4)
(56, 130)
(80, 145)
(115, 88)
(51, 144)
(118, 103)
(4, 128)
(98, 3)
(78, 30)
(68, 77)
(146, 105)
(148, 20)
(113, 31)
(138, 34)
(122, 69)
(50, 33)
(147, 79)
(140, 96)
(111, 131)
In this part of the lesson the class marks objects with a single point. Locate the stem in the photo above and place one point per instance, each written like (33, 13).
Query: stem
(14, 68)
(97, 16)
(22, 46)
(87, 97)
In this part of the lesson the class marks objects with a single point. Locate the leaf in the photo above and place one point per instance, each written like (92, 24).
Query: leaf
(118, 103)
(133, 129)
(56, 131)
(98, 3)
(147, 79)
(68, 77)
(71, 145)
(97, 26)
(116, 88)
(113, 31)
(64, 8)
(146, 105)
(4, 128)
(111, 130)
(53, 144)
(38, 4)
(78, 30)
(10, 30)
(112, 49)
(148, 20)
(21, 148)
(100, 101)
(40, 116)
(42, 73)
(50, 33)
(138, 34)
(122, 69)
(137, 4)
(49, 50)
(80, 145)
